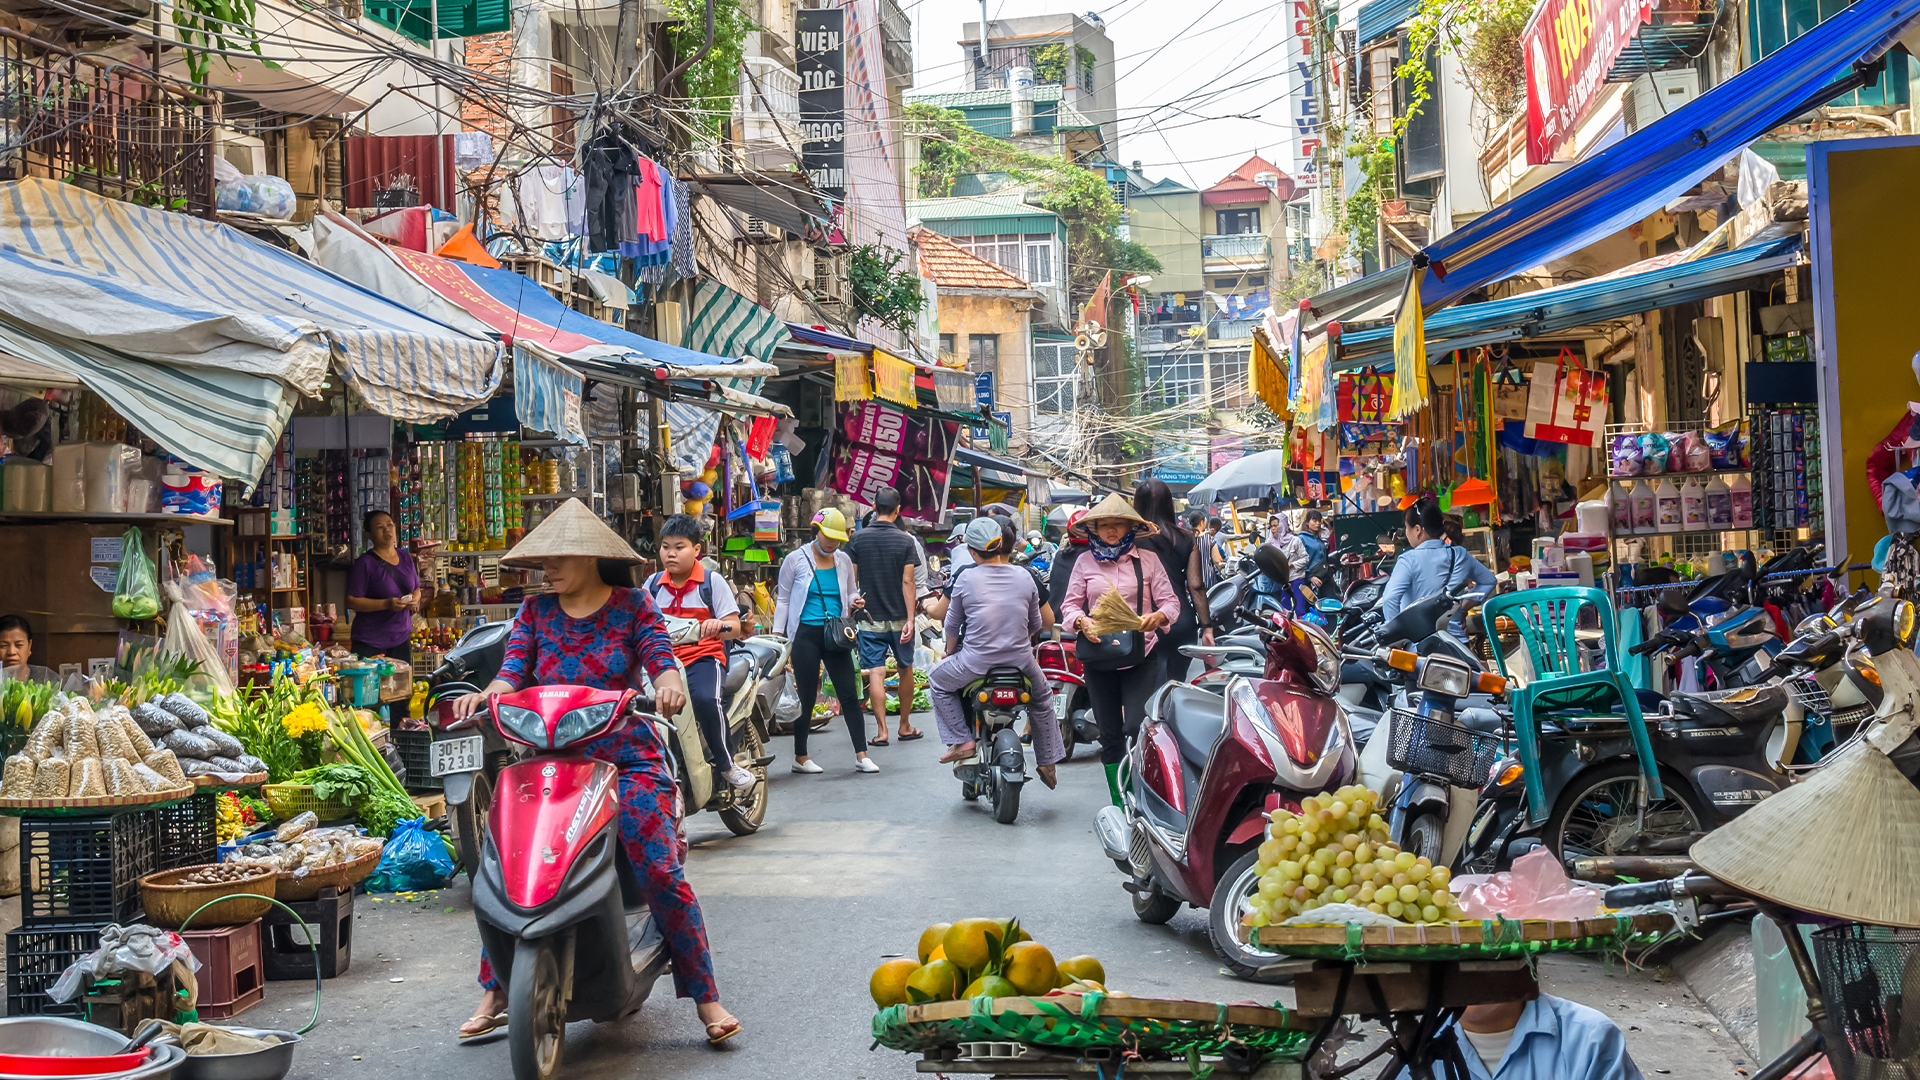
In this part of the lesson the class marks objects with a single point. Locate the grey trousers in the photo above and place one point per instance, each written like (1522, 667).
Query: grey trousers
(956, 672)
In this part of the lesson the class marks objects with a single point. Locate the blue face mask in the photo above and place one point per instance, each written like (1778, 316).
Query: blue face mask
(1106, 552)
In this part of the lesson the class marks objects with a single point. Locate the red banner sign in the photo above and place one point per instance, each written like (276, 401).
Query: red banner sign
(881, 446)
(1570, 45)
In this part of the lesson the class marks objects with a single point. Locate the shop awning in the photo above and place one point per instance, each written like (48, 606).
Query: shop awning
(830, 340)
(224, 421)
(966, 455)
(1629, 180)
(1658, 283)
(179, 290)
(725, 323)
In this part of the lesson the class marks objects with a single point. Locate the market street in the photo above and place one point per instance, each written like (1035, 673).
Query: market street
(849, 870)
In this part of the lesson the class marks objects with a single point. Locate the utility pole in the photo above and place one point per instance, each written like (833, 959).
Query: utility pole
(980, 78)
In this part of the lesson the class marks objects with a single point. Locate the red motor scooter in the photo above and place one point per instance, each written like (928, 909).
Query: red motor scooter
(559, 905)
(1206, 769)
(1071, 705)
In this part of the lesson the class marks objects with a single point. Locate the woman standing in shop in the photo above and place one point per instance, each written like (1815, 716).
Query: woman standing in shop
(383, 586)
(815, 590)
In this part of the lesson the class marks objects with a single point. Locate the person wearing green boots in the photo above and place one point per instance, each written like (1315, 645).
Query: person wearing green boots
(1112, 562)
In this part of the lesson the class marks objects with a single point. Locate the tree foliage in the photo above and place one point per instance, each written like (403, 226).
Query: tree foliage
(882, 291)
(1485, 36)
(713, 81)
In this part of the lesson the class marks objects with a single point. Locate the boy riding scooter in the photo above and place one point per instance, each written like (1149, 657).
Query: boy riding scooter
(685, 589)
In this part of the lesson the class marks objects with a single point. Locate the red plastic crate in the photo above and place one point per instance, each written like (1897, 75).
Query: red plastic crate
(232, 972)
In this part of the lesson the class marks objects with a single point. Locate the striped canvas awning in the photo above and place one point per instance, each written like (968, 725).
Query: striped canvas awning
(219, 420)
(179, 290)
(725, 323)
(547, 396)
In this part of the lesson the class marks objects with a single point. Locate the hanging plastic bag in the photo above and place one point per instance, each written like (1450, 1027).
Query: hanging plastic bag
(123, 950)
(786, 707)
(136, 595)
(186, 640)
(415, 860)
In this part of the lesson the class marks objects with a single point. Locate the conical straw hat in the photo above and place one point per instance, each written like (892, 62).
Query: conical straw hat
(1115, 505)
(1845, 843)
(571, 530)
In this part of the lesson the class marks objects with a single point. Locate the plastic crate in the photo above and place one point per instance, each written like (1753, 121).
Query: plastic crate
(35, 958)
(186, 832)
(232, 976)
(291, 800)
(360, 686)
(1433, 747)
(328, 917)
(416, 753)
(85, 871)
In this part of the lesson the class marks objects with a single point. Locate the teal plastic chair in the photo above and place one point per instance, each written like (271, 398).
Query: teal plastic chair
(1546, 619)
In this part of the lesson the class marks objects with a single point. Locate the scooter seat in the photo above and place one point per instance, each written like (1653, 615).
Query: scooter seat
(739, 668)
(1484, 721)
(1745, 705)
(1196, 718)
(765, 655)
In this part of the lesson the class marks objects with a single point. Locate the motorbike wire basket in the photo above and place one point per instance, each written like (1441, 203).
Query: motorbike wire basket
(1430, 746)
(1867, 976)
(1810, 695)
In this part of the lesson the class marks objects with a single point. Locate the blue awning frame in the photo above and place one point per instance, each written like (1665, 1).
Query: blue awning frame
(1594, 198)
(1378, 18)
(1565, 307)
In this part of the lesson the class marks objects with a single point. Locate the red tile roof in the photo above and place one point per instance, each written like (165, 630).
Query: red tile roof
(954, 267)
(1254, 166)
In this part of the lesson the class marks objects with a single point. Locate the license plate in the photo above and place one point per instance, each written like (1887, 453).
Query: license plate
(457, 755)
(1060, 702)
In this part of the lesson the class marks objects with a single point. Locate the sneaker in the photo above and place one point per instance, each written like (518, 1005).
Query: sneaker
(741, 778)
(808, 766)
(865, 765)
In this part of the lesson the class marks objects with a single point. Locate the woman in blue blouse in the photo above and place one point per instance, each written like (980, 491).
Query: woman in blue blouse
(816, 586)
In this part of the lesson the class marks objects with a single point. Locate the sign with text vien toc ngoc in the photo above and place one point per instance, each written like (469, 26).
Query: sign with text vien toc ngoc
(820, 61)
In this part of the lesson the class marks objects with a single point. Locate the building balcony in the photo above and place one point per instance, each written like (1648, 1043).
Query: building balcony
(1238, 251)
(896, 43)
(1231, 329)
(769, 113)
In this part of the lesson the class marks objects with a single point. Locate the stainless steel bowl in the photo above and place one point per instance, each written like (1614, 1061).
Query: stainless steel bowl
(269, 1064)
(59, 1035)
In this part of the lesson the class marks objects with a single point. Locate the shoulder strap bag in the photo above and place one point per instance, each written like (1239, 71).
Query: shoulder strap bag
(1123, 649)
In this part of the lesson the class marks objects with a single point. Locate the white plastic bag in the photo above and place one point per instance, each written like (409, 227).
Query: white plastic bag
(786, 707)
(125, 949)
(185, 639)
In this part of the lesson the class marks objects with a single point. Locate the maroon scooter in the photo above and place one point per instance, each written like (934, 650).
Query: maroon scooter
(1207, 768)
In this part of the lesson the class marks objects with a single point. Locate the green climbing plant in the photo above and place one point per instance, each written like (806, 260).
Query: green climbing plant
(1484, 35)
(713, 81)
(882, 291)
(1360, 218)
(226, 25)
(1050, 63)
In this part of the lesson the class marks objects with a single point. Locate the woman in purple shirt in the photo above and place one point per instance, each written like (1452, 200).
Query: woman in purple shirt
(382, 587)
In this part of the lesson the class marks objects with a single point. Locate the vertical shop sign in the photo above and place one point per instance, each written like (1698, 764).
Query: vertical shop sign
(820, 61)
(1309, 117)
(881, 446)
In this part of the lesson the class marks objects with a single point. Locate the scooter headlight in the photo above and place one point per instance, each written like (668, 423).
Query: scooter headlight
(523, 724)
(1326, 656)
(1444, 677)
(580, 723)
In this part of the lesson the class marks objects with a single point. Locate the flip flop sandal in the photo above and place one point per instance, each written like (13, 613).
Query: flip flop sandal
(728, 1030)
(956, 754)
(905, 737)
(877, 742)
(494, 1023)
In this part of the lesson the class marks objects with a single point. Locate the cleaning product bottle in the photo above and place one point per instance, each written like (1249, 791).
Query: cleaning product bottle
(1719, 504)
(1666, 499)
(1693, 504)
(1740, 501)
(1644, 515)
(1620, 496)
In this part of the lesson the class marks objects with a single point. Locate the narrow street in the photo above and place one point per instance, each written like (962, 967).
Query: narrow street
(848, 871)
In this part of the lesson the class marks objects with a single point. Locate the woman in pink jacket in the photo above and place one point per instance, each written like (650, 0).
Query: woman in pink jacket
(1112, 562)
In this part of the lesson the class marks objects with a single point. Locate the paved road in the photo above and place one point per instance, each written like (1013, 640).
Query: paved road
(848, 871)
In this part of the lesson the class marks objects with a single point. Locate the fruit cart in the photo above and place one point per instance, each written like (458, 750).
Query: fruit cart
(1097, 1035)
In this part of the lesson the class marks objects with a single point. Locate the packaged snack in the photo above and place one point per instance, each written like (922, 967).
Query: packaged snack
(112, 739)
(83, 738)
(187, 743)
(87, 780)
(227, 765)
(252, 764)
(122, 780)
(298, 825)
(164, 763)
(18, 783)
(50, 778)
(183, 707)
(152, 779)
(154, 720)
(50, 732)
(142, 746)
(224, 744)
(196, 767)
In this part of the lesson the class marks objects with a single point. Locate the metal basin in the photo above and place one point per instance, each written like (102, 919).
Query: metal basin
(269, 1064)
(60, 1035)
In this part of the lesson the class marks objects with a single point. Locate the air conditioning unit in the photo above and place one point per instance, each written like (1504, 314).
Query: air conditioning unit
(763, 229)
(1654, 96)
(829, 283)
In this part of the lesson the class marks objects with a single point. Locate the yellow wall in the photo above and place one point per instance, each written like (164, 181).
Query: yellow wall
(1867, 283)
(963, 316)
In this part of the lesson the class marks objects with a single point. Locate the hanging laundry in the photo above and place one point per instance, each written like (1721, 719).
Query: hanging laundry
(612, 169)
(542, 194)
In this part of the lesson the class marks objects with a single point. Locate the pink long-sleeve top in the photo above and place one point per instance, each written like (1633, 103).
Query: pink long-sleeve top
(1091, 577)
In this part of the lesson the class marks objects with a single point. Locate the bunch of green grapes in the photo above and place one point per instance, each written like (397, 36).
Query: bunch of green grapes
(1336, 851)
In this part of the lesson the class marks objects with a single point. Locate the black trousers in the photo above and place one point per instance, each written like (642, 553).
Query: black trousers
(1119, 701)
(704, 679)
(1178, 664)
(809, 652)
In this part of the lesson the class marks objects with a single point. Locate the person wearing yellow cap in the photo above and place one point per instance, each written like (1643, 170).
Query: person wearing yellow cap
(814, 610)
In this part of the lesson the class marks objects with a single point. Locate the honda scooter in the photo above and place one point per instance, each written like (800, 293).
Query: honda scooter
(742, 812)
(1071, 705)
(466, 755)
(1206, 770)
(997, 768)
(558, 904)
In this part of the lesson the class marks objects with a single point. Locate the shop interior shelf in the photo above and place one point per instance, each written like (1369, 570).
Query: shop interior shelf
(1681, 475)
(51, 515)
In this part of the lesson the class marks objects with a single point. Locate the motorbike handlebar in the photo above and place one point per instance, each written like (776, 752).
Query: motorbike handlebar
(1646, 647)
(1646, 892)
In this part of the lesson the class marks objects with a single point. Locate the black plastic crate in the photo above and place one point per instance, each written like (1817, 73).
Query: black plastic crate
(185, 833)
(35, 958)
(326, 921)
(1435, 747)
(416, 753)
(85, 871)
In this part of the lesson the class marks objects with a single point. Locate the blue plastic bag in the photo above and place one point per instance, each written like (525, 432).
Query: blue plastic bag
(415, 860)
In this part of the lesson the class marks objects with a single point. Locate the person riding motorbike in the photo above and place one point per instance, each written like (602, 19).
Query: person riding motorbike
(596, 630)
(1430, 564)
(685, 589)
(992, 616)
(1281, 535)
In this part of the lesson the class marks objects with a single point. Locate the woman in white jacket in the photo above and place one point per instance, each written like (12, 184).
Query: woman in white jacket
(816, 586)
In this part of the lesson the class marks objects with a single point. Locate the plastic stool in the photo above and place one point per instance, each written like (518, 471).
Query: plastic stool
(283, 945)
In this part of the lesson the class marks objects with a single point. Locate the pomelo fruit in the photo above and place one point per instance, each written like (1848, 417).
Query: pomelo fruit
(1085, 968)
(1030, 967)
(930, 940)
(939, 980)
(966, 941)
(991, 986)
(889, 982)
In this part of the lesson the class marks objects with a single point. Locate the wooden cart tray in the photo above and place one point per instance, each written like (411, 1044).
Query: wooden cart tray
(247, 781)
(1080, 1021)
(1488, 939)
(92, 804)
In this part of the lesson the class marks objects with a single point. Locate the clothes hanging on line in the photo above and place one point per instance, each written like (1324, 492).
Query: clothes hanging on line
(546, 196)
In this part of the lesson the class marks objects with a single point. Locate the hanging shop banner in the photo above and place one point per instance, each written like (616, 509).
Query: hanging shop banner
(953, 390)
(1569, 45)
(1567, 403)
(820, 61)
(881, 446)
(1224, 450)
(850, 377)
(893, 379)
(1180, 463)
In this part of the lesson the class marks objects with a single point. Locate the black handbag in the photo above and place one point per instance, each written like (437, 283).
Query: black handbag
(1121, 649)
(840, 634)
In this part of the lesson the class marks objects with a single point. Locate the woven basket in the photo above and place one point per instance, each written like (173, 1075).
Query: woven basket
(169, 904)
(291, 800)
(1078, 1021)
(344, 876)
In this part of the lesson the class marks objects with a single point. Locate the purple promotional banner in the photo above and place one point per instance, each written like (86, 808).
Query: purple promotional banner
(881, 446)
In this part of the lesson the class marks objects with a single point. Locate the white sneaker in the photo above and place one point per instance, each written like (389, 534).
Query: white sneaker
(741, 779)
(808, 766)
(865, 765)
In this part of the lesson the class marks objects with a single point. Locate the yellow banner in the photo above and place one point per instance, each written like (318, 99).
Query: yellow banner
(893, 379)
(1409, 352)
(850, 377)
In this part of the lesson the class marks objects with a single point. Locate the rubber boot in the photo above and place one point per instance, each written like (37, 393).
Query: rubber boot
(1113, 782)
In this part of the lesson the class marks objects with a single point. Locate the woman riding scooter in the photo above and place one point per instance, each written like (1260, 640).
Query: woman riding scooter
(596, 630)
